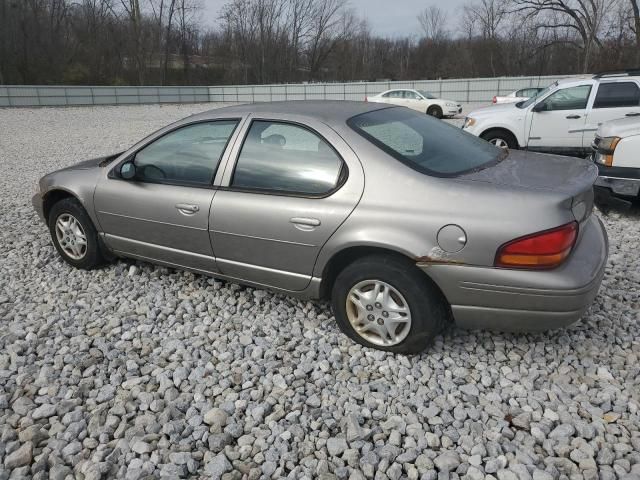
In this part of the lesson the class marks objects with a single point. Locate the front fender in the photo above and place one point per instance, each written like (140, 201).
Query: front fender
(79, 184)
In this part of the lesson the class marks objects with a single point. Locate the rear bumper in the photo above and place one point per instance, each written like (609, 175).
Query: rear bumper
(519, 300)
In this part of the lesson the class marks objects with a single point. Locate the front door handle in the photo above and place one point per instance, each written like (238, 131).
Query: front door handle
(634, 114)
(187, 208)
(307, 222)
(573, 117)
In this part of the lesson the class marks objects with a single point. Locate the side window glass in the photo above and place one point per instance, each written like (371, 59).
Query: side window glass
(281, 157)
(572, 98)
(188, 155)
(622, 94)
(410, 95)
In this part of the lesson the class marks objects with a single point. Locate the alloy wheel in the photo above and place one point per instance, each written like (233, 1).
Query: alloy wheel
(499, 142)
(71, 236)
(378, 313)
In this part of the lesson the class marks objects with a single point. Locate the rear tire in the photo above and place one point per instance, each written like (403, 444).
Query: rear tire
(384, 302)
(74, 235)
(501, 139)
(435, 111)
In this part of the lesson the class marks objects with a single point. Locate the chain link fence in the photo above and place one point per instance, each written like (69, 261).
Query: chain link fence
(471, 90)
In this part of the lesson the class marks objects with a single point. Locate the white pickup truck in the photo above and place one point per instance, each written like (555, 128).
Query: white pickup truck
(617, 155)
(564, 117)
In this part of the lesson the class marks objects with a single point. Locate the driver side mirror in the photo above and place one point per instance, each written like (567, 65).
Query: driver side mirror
(128, 170)
(540, 107)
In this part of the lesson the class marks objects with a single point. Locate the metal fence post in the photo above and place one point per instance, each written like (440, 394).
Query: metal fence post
(468, 90)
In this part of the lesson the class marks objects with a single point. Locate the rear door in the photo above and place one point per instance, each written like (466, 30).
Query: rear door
(559, 125)
(291, 186)
(614, 99)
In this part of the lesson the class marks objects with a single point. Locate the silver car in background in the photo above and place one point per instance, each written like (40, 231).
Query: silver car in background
(403, 221)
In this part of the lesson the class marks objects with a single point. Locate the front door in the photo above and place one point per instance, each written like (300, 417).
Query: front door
(288, 193)
(619, 99)
(162, 214)
(557, 122)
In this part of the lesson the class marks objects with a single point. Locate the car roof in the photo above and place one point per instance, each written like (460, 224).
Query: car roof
(324, 110)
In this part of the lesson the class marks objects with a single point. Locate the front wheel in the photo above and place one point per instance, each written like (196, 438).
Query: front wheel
(385, 303)
(435, 111)
(74, 235)
(501, 139)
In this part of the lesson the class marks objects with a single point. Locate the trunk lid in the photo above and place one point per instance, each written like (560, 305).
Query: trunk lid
(569, 180)
(537, 171)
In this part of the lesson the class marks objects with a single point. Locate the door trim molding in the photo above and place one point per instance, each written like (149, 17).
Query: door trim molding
(150, 221)
(219, 232)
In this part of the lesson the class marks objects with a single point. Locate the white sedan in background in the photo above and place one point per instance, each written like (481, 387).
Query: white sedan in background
(418, 100)
(518, 96)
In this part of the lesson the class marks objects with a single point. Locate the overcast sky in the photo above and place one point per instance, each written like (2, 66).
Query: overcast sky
(387, 17)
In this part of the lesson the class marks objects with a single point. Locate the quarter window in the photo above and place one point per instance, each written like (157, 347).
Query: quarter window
(621, 94)
(189, 155)
(572, 98)
(281, 157)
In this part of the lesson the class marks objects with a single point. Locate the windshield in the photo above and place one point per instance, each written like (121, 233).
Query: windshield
(428, 95)
(424, 143)
(541, 93)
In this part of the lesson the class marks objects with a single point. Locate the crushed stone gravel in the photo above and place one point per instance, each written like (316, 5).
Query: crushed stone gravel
(137, 371)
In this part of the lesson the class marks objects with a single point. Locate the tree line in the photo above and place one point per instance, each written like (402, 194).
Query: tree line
(166, 42)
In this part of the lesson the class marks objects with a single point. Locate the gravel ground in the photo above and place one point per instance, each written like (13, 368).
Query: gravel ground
(136, 371)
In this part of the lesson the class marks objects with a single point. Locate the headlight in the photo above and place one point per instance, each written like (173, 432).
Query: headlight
(449, 104)
(469, 122)
(605, 147)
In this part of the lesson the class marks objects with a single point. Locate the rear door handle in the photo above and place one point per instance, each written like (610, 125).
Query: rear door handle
(187, 208)
(573, 117)
(634, 114)
(307, 222)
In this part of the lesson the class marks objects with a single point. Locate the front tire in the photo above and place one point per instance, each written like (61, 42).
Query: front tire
(74, 235)
(384, 302)
(501, 139)
(435, 111)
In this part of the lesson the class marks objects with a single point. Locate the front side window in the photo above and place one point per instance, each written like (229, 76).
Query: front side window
(572, 98)
(287, 158)
(189, 155)
(425, 144)
(622, 94)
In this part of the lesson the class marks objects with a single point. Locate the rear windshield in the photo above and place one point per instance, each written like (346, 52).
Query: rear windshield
(424, 143)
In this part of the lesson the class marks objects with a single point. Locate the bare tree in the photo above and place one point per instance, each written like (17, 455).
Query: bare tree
(583, 17)
(635, 9)
(323, 33)
(134, 16)
(486, 17)
(432, 21)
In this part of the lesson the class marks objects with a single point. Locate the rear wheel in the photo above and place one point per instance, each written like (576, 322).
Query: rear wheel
(74, 235)
(435, 111)
(384, 302)
(501, 139)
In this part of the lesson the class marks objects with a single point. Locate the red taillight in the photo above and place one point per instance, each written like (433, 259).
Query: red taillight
(546, 249)
(495, 99)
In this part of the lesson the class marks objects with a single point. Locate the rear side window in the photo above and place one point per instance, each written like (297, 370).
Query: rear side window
(424, 143)
(188, 155)
(287, 158)
(622, 94)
